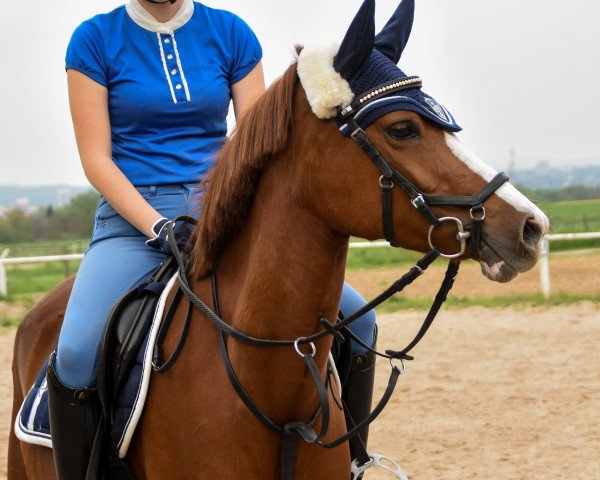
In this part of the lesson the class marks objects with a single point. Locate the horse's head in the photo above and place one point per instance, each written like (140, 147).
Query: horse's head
(410, 155)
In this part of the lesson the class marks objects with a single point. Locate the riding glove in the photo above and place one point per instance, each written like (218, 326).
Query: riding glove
(181, 230)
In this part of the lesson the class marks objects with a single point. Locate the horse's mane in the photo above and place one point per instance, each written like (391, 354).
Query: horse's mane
(229, 188)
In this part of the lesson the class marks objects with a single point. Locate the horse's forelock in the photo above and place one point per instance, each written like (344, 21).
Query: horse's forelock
(229, 189)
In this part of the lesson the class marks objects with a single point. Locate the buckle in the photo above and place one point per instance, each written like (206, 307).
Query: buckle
(419, 202)
(357, 132)
(461, 236)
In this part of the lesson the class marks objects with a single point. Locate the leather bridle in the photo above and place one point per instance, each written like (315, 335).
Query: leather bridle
(421, 201)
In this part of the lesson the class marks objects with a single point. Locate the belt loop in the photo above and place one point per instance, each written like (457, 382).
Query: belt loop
(190, 187)
(152, 190)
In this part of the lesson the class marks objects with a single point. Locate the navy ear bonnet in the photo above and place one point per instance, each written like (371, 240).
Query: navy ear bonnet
(380, 70)
(362, 80)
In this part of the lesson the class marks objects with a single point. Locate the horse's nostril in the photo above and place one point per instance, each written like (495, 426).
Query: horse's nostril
(532, 232)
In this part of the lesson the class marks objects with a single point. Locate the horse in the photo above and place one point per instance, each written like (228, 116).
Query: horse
(279, 208)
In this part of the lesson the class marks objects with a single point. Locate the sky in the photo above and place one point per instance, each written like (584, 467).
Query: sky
(520, 75)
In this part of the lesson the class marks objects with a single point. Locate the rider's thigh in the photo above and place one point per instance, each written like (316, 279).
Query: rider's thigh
(110, 268)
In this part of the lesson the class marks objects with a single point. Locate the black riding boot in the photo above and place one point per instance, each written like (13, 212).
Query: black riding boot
(357, 396)
(74, 418)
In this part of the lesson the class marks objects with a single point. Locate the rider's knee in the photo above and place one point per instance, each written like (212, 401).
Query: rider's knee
(74, 364)
(365, 326)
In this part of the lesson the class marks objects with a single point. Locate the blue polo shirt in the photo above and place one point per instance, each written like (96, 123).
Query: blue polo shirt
(169, 85)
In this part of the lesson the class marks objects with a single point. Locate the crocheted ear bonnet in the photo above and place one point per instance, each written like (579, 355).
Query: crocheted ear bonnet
(361, 78)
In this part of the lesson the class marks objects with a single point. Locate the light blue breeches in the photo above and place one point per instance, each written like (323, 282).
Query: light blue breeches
(117, 260)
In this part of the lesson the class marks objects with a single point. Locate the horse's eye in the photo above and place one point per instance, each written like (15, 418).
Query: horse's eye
(405, 131)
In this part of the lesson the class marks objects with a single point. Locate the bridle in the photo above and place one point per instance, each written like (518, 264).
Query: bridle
(422, 202)
(293, 431)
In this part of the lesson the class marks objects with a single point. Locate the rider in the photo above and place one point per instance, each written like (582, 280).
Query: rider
(150, 85)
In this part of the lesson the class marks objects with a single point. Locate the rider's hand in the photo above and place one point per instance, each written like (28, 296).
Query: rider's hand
(181, 231)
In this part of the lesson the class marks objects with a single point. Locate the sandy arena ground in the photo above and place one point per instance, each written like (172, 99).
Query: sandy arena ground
(492, 394)
(570, 272)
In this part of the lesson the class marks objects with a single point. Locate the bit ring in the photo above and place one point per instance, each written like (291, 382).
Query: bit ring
(461, 236)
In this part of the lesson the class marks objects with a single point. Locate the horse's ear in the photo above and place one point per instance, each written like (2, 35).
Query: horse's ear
(357, 46)
(394, 36)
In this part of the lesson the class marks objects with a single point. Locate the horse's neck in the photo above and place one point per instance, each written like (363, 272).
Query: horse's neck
(281, 273)
(284, 269)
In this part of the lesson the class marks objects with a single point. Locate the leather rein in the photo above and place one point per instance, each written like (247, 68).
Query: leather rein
(293, 431)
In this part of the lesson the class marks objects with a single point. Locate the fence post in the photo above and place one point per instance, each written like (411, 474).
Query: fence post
(545, 268)
(3, 276)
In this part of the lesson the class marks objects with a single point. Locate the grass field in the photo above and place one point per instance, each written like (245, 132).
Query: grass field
(27, 282)
(573, 217)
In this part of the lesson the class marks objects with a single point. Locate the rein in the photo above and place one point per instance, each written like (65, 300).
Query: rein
(291, 432)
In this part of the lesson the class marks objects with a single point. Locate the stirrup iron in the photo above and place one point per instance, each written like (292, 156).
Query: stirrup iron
(377, 461)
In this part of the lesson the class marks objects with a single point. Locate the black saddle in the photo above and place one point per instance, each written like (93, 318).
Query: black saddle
(124, 334)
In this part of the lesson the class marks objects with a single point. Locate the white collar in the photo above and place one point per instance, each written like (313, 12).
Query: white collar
(141, 16)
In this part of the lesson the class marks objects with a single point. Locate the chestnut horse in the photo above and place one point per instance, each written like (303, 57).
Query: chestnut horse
(279, 208)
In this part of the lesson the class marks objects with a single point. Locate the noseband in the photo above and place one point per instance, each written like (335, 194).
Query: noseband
(422, 202)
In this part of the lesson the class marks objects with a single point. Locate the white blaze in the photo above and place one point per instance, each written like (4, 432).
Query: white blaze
(506, 192)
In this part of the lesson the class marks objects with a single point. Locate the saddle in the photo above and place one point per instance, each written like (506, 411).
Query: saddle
(123, 350)
(121, 389)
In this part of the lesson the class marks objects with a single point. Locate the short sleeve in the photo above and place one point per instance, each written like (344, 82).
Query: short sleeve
(85, 53)
(246, 50)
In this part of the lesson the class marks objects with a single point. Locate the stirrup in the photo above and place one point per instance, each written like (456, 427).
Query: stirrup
(377, 461)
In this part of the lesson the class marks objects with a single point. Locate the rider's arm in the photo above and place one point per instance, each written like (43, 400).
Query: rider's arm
(247, 89)
(89, 109)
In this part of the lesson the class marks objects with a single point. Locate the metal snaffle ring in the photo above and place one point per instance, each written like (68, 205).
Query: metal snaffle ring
(299, 352)
(461, 236)
(402, 368)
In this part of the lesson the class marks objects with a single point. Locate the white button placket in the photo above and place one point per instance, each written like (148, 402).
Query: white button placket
(172, 67)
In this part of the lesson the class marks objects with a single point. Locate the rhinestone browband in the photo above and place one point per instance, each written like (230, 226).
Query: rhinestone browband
(381, 90)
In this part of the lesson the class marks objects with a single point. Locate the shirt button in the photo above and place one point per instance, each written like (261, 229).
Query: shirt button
(178, 86)
(167, 40)
(174, 71)
(170, 56)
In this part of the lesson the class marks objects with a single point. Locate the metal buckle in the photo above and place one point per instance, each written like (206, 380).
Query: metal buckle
(299, 352)
(377, 461)
(356, 132)
(418, 202)
(461, 236)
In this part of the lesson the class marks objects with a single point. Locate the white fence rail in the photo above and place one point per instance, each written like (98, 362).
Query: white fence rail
(544, 262)
(28, 260)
